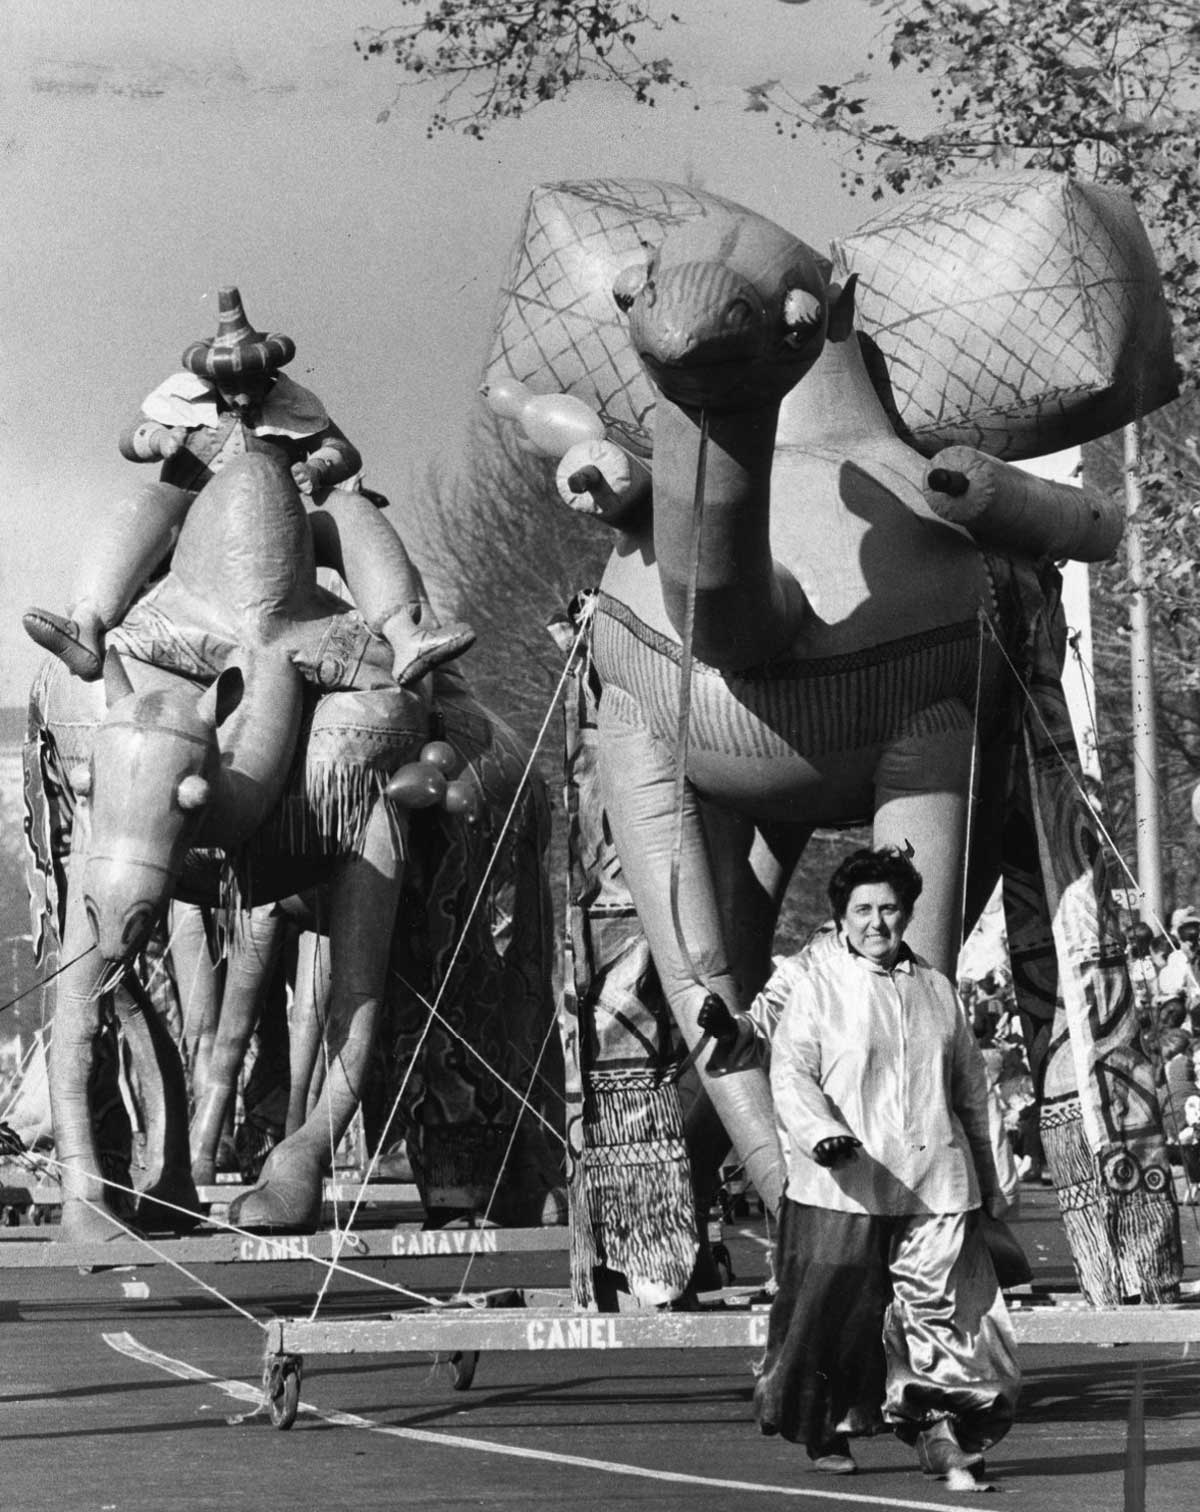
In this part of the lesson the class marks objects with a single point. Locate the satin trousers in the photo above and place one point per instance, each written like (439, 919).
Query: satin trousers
(885, 1320)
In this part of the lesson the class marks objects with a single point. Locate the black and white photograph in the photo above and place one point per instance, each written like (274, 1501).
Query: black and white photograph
(600, 755)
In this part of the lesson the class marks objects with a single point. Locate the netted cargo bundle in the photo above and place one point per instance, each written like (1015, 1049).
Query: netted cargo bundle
(1019, 313)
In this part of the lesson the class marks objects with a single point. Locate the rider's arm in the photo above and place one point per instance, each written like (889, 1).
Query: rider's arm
(149, 441)
(332, 460)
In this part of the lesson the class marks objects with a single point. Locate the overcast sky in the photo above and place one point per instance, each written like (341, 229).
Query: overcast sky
(151, 151)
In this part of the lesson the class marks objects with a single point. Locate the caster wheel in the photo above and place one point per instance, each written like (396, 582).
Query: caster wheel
(462, 1368)
(281, 1382)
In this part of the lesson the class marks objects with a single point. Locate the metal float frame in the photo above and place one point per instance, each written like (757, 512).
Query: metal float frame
(462, 1331)
(403, 1242)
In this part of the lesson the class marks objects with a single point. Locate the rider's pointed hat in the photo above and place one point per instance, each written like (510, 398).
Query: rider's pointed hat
(237, 346)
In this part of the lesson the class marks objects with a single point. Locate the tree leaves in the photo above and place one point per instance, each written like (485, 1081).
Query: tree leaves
(1101, 88)
(497, 60)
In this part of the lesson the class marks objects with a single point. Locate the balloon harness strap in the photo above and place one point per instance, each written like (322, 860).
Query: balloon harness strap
(682, 730)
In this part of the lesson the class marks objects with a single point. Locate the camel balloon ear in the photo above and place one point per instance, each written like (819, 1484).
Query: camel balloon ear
(841, 308)
(629, 283)
(219, 701)
(116, 680)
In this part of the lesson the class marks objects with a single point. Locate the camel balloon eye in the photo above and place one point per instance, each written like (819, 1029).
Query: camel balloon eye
(801, 314)
(738, 313)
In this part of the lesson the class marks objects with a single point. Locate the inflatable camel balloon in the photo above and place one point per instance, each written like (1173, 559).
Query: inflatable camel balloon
(808, 625)
(260, 787)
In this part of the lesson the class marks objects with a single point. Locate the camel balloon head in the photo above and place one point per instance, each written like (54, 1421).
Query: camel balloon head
(729, 313)
(155, 762)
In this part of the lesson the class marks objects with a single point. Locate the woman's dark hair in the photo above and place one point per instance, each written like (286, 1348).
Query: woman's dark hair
(863, 867)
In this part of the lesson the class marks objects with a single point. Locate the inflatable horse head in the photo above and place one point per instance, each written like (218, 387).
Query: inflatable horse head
(151, 781)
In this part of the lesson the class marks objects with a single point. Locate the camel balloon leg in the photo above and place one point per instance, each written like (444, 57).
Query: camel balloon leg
(363, 910)
(251, 959)
(167, 1198)
(310, 1007)
(752, 866)
(921, 789)
(76, 1024)
(198, 981)
(166, 1194)
(637, 778)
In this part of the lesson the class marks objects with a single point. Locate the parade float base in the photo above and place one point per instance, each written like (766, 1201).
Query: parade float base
(505, 1313)
(464, 1328)
(223, 1247)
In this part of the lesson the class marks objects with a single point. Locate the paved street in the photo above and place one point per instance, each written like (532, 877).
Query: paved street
(122, 1389)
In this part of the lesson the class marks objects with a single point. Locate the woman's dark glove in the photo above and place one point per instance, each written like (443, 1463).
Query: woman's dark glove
(836, 1150)
(715, 1019)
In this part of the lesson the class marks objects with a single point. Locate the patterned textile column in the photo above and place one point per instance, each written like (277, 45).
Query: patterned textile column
(1100, 1121)
(631, 1199)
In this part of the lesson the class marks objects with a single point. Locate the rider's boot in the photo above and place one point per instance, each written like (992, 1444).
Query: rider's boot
(78, 640)
(420, 643)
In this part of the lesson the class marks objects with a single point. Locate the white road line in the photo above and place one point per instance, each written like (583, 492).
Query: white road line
(242, 1391)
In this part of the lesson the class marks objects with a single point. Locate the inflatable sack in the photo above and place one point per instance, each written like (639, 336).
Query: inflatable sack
(1018, 313)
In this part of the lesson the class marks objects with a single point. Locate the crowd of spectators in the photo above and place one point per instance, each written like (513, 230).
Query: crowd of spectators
(992, 1008)
(1166, 978)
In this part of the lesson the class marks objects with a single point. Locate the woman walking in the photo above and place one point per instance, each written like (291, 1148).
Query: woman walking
(888, 1308)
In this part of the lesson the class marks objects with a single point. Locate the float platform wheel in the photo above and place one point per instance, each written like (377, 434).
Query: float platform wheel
(281, 1386)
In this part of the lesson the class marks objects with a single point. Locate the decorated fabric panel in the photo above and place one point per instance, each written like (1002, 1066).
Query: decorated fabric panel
(1100, 1120)
(632, 1205)
(351, 742)
(916, 685)
(476, 939)
(47, 829)
(1018, 313)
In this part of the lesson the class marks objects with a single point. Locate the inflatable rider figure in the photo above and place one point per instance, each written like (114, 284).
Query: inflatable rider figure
(230, 398)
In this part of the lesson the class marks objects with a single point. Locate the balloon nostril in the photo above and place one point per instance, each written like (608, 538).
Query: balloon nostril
(136, 928)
